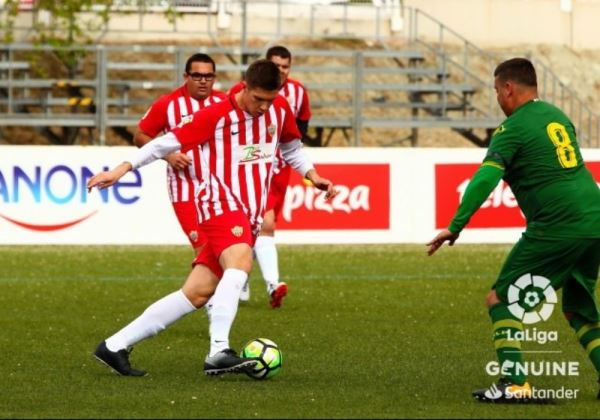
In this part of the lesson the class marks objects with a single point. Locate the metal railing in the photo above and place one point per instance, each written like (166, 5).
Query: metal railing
(461, 57)
(241, 19)
(445, 83)
(349, 90)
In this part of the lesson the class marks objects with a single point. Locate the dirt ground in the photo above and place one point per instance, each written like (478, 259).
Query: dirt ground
(577, 69)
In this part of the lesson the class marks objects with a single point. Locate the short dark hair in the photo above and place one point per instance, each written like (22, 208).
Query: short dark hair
(263, 74)
(200, 58)
(279, 51)
(519, 70)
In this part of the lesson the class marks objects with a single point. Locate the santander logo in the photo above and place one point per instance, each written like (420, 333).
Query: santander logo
(49, 198)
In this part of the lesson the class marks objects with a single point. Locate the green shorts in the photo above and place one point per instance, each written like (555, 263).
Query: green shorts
(570, 264)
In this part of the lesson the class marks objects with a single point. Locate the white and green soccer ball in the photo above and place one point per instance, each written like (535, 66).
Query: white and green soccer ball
(267, 354)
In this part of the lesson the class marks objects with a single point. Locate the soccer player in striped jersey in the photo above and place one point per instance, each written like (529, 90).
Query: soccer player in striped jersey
(535, 151)
(239, 138)
(184, 171)
(265, 251)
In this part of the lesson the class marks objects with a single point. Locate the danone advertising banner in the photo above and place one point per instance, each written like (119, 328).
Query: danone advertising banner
(399, 195)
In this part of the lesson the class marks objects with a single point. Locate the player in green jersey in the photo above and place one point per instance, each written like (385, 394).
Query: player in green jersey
(535, 151)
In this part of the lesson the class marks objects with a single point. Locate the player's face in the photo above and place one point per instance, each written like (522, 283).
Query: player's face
(256, 101)
(284, 65)
(504, 90)
(200, 79)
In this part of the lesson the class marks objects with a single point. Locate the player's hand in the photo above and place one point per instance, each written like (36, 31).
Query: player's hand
(438, 241)
(322, 184)
(178, 160)
(107, 178)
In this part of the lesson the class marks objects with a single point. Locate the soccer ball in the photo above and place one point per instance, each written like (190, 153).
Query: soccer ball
(268, 355)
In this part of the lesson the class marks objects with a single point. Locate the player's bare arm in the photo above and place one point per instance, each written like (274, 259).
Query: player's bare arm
(321, 183)
(482, 184)
(107, 178)
(438, 241)
(154, 150)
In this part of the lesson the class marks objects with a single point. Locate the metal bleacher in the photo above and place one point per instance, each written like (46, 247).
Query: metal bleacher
(351, 90)
(421, 84)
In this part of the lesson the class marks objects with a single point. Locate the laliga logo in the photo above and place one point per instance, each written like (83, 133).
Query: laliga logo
(531, 290)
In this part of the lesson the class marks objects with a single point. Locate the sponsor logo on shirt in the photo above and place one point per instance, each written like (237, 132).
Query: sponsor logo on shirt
(256, 153)
(272, 128)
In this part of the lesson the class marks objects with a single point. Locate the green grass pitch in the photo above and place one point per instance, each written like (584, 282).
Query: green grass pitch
(366, 331)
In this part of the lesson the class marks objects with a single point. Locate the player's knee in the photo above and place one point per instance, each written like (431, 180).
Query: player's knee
(200, 285)
(237, 256)
(245, 264)
(268, 225)
(492, 298)
(197, 297)
(267, 229)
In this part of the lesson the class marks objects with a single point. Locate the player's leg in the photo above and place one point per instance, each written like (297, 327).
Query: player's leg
(532, 261)
(579, 301)
(265, 248)
(198, 287)
(187, 215)
(505, 326)
(549, 262)
(234, 263)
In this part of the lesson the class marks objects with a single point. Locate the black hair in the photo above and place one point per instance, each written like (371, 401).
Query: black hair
(201, 58)
(263, 74)
(519, 70)
(279, 51)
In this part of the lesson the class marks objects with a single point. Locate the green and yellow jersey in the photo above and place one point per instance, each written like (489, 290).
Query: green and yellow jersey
(535, 151)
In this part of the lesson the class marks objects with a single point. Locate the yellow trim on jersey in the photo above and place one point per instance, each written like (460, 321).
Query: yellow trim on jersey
(586, 328)
(499, 130)
(592, 345)
(508, 323)
(493, 164)
(506, 343)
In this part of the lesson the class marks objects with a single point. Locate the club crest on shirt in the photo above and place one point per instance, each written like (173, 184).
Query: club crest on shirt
(237, 231)
(193, 235)
(272, 128)
(185, 120)
(499, 130)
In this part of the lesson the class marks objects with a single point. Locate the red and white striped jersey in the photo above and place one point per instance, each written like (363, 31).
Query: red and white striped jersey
(297, 97)
(164, 115)
(237, 155)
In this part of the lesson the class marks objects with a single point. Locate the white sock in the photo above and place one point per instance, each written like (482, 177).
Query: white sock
(208, 307)
(224, 308)
(266, 254)
(153, 320)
